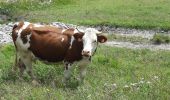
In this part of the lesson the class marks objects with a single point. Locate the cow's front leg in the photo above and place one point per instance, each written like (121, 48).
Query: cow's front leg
(67, 71)
(22, 68)
(82, 73)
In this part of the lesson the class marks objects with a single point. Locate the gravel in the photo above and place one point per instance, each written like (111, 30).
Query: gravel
(6, 29)
(5, 33)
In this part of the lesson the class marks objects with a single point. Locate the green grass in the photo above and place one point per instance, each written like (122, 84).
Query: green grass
(132, 13)
(132, 39)
(109, 66)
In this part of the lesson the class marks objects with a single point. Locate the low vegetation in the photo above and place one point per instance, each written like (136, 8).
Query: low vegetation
(133, 14)
(161, 38)
(115, 73)
(132, 39)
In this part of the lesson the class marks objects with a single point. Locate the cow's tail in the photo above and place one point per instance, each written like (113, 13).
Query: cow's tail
(14, 33)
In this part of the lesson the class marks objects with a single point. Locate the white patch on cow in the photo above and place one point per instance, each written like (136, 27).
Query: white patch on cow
(76, 31)
(90, 40)
(23, 27)
(63, 30)
(62, 39)
(19, 42)
(71, 42)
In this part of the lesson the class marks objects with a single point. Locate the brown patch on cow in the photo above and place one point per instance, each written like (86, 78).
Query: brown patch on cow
(48, 46)
(24, 35)
(15, 26)
(45, 43)
(78, 36)
(74, 53)
(26, 32)
(69, 32)
(15, 29)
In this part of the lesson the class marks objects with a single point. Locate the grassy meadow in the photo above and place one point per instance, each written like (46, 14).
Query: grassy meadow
(115, 73)
(116, 13)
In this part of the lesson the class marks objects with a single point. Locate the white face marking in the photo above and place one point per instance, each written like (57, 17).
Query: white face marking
(19, 41)
(90, 40)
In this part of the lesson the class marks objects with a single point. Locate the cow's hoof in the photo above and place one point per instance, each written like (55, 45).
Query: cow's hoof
(35, 83)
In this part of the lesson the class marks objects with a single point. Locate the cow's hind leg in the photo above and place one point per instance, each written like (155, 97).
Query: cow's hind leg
(22, 68)
(18, 64)
(28, 63)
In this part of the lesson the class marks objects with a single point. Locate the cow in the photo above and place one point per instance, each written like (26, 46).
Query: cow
(54, 44)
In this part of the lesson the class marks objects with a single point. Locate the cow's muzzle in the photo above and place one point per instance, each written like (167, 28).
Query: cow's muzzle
(86, 53)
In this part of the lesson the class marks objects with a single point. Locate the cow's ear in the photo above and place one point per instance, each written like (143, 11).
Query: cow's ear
(78, 36)
(101, 38)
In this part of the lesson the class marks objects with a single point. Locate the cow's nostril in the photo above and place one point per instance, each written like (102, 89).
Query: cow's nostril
(86, 53)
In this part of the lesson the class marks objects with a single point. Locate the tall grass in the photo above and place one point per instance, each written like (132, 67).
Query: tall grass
(115, 73)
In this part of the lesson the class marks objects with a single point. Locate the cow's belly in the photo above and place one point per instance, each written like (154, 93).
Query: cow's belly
(50, 54)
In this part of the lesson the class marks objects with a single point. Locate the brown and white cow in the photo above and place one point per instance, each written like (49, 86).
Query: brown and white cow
(53, 44)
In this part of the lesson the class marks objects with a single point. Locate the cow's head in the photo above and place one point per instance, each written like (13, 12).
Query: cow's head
(90, 38)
